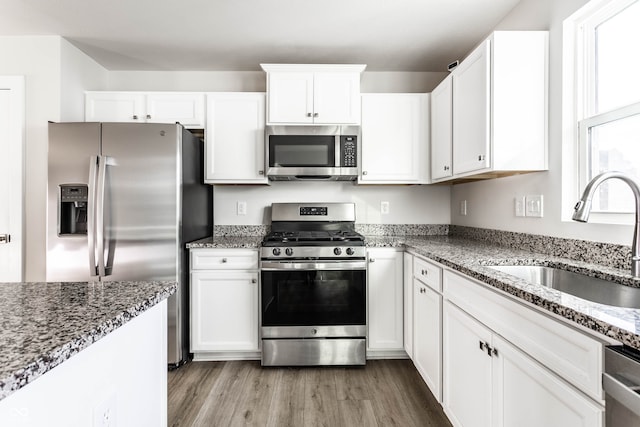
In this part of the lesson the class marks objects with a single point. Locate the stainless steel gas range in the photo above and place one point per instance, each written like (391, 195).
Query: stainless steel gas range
(313, 292)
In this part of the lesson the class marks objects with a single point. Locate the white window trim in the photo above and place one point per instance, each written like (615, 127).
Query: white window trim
(575, 81)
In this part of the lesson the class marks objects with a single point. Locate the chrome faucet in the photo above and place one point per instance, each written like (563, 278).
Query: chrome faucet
(583, 207)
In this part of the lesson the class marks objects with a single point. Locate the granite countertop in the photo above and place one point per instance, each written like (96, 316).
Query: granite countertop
(222, 242)
(470, 257)
(44, 324)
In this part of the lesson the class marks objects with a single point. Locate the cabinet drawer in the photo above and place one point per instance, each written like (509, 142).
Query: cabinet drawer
(224, 259)
(428, 273)
(576, 357)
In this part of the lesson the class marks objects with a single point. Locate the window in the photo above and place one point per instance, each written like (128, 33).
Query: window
(606, 95)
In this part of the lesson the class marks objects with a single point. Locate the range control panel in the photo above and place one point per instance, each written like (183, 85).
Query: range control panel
(313, 210)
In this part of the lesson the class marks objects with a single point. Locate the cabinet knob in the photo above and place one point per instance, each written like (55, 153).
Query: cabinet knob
(224, 260)
(148, 116)
(446, 168)
(364, 172)
(309, 114)
(424, 272)
(135, 117)
(422, 290)
(315, 114)
(480, 158)
(372, 260)
(260, 172)
(254, 280)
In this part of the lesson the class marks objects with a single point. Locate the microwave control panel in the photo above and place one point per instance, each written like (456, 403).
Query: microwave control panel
(348, 151)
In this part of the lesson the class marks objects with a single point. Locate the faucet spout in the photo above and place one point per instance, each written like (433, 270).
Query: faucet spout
(583, 208)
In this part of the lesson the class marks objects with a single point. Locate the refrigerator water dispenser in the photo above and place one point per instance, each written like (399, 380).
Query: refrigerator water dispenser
(72, 209)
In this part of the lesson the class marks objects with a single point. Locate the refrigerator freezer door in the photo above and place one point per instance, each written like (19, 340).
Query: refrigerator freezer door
(71, 147)
(141, 201)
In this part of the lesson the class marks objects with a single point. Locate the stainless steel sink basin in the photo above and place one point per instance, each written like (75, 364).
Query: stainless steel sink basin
(579, 285)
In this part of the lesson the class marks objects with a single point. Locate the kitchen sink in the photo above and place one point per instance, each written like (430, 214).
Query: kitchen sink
(579, 285)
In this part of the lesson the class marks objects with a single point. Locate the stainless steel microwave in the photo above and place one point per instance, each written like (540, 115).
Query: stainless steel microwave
(328, 153)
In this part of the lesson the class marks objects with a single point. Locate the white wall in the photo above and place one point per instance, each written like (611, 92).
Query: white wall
(255, 81)
(490, 204)
(417, 204)
(48, 64)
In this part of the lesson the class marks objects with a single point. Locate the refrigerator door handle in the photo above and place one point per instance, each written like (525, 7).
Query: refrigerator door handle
(102, 174)
(91, 214)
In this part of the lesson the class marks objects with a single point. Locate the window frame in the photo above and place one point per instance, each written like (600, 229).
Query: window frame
(579, 103)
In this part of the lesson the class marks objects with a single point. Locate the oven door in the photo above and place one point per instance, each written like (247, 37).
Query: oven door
(313, 299)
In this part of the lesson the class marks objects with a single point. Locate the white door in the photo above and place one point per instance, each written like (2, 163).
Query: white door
(234, 138)
(441, 129)
(384, 294)
(170, 107)
(126, 107)
(427, 347)
(471, 112)
(336, 98)
(11, 178)
(290, 97)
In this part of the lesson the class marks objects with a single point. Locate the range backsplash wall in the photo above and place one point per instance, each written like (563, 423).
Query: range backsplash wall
(408, 204)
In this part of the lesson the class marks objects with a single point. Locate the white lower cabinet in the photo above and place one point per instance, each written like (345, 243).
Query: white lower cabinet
(427, 338)
(384, 302)
(224, 303)
(489, 382)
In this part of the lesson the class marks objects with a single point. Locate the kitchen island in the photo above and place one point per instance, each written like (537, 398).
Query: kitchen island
(82, 353)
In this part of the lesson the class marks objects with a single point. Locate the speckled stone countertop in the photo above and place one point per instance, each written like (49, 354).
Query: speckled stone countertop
(226, 242)
(44, 324)
(470, 257)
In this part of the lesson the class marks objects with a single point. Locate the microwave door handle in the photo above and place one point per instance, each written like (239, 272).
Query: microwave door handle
(91, 214)
(336, 151)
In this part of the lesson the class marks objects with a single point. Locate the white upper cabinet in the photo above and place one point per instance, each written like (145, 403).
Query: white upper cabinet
(313, 94)
(498, 121)
(185, 108)
(442, 129)
(234, 138)
(395, 138)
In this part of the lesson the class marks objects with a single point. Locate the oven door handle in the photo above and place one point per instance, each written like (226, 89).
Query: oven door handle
(622, 390)
(288, 265)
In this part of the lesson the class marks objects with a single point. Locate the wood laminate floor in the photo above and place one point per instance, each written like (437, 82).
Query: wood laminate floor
(238, 393)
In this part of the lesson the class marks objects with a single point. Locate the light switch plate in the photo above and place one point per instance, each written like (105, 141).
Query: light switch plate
(519, 206)
(534, 206)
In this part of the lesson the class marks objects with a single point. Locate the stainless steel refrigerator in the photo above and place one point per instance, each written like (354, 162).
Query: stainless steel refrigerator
(123, 199)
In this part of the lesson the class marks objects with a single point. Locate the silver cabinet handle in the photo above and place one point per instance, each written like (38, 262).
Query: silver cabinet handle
(148, 116)
(5, 238)
(423, 290)
(424, 272)
(372, 260)
(623, 390)
(254, 280)
(309, 114)
(364, 172)
(224, 260)
(260, 172)
(481, 344)
(446, 168)
(315, 114)
(480, 158)
(135, 117)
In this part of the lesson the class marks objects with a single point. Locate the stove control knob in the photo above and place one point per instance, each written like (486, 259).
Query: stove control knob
(288, 251)
(350, 251)
(276, 251)
(337, 251)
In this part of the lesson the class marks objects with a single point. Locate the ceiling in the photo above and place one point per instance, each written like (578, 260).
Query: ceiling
(238, 35)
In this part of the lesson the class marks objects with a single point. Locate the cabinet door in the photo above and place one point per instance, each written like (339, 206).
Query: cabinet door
(471, 112)
(427, 347)
(290, 97)
(384, 295)
(408, 304)
(235, 138)
(336, 98)
(224, 311)
(530, 395)
(467, 370)
(441, 129)
(115, 107)
(184, 108)
(394, 138)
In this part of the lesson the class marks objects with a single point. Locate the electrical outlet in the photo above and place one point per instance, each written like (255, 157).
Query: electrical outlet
(241, 208)
(534, 206)
(463, 208)
(384, 208)
(519, 206)
(104, 413)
